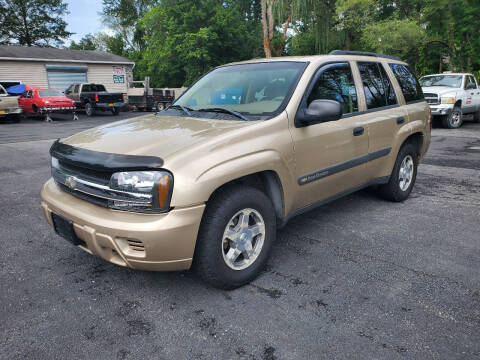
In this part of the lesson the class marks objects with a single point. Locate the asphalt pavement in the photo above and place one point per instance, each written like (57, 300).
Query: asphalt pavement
(359, 278)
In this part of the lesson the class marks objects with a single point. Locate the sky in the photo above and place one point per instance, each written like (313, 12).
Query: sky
(84, 18)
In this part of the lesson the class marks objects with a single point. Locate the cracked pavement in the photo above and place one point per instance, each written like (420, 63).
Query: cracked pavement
(359, 278)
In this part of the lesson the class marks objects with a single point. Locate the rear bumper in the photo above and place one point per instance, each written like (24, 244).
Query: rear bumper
(7, 112)
(109, 106)
(157, 242)
(49, 110)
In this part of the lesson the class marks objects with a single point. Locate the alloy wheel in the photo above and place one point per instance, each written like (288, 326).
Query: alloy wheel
(243, 239)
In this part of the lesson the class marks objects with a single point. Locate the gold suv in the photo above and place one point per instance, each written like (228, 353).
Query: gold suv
(247, 147)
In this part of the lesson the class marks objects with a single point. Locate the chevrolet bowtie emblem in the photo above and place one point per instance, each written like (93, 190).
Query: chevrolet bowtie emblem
(70, 182)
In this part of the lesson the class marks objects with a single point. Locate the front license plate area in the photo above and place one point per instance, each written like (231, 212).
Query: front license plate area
(64, 228)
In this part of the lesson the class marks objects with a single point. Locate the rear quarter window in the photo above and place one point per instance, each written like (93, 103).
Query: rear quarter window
(412, 91)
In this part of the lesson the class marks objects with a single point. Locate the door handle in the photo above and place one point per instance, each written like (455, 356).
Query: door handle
(358, 131)
(400, 120)
(472, 93)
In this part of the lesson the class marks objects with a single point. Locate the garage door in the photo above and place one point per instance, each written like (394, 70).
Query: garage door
(61, 77)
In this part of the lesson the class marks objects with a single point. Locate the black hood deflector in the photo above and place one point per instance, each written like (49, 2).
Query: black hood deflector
(102, 161)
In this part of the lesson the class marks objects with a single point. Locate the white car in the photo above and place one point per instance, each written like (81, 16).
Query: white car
(450, 96)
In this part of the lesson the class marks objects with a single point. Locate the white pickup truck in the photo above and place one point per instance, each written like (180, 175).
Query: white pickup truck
(452, 95)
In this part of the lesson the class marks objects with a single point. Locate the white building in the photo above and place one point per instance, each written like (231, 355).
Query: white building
(58, 68)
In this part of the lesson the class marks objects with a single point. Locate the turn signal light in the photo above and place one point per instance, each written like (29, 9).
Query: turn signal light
(96, 97)
(163, 190)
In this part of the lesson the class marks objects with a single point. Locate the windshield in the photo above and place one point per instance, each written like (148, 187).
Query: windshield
(454, 81)
(255, 89)
(45, 93)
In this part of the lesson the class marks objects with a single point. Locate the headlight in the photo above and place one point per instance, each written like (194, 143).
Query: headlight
(448, 100)
(156, 184)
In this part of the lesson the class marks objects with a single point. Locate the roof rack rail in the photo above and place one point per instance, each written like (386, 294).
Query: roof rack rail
(364, 53)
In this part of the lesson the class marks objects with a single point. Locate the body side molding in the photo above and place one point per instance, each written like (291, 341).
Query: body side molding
(334, 169)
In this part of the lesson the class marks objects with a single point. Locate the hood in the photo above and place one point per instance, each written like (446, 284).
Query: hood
(153, 135)
(441, 90)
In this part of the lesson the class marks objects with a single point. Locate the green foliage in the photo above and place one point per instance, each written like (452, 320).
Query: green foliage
(186, 38)
(88, 42)
(401, 38)
(33, 22)
(174, 42)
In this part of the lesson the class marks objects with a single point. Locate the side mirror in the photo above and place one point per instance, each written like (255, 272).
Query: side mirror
(319, 111)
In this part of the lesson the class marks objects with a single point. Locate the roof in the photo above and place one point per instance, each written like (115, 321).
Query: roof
(24, 53)
(322, 58)
(448, 73)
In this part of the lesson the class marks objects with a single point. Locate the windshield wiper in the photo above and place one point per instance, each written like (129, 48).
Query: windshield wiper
(186, 110)
(227, 111)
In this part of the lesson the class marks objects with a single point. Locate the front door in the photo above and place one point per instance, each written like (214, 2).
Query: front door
(472, 101)
(330, 156)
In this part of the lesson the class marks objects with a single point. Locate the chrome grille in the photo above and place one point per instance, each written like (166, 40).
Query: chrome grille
(432, 98)
(93, 186)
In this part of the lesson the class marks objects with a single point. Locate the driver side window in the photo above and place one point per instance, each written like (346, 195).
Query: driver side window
(336, 83)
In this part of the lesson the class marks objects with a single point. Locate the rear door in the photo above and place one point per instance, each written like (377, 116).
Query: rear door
(383, 113)
(330, 156)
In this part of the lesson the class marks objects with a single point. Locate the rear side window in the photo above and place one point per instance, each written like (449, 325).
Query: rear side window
(410, 86)
(376, 85)
(336, 83)
(75, 90)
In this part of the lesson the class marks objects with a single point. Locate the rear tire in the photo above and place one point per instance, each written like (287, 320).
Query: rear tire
(230, 252)
(403, 175)
(476, 117)
(160, 107)
(89, 109)
(454, 120)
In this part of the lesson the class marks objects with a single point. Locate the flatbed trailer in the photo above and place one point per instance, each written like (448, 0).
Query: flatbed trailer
(141, 97)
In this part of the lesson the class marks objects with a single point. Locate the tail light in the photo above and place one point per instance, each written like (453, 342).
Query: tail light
(123, 97)
(430, 119)
(96, 97)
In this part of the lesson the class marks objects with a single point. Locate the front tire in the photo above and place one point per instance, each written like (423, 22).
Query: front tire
(235, 238)
(454, 120)
(89, 109)
(403, 176)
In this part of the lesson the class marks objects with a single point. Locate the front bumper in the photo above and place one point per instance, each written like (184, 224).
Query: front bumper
(441, 109)
(110, 106)
(157, 242)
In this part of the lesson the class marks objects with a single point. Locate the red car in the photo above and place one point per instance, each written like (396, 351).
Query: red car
(46, 101)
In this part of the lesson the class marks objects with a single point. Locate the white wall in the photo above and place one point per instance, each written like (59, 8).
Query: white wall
(34, 73)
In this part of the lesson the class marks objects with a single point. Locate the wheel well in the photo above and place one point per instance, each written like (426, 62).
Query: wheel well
(458, 103)
(416, 139)
(268, 182)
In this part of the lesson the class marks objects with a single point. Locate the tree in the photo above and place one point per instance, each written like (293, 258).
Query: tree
(396, 37)
(122, 16)
(33, 22)
(88, 42)
(186, 38)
